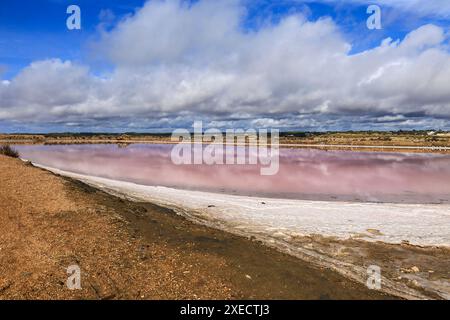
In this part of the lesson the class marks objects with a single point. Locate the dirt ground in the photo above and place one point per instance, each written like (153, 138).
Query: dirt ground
(129, 250)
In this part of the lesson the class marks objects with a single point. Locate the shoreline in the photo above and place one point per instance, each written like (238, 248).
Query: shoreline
(332, 147)
(136, 250)
(299, 245)
(209, 207)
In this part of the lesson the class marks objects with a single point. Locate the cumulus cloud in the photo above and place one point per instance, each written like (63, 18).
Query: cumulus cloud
(44, 88)
(175, 62)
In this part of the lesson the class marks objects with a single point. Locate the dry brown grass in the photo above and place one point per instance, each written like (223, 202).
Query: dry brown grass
(9, 151)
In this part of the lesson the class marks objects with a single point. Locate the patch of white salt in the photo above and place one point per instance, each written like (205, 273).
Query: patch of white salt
(419, 224)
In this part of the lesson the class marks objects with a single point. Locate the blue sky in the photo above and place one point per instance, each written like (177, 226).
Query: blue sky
(33, 31)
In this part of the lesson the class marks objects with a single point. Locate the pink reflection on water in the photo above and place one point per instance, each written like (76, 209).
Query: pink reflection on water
(303, 174)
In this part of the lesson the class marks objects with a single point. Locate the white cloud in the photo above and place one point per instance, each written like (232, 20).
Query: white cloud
(175, 62)
(45, 88)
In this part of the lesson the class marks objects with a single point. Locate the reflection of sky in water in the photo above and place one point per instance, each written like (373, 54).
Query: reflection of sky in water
(303, 173)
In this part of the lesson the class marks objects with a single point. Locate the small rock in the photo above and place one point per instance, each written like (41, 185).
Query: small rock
(413, 269)
(374, 232)
(248, 277)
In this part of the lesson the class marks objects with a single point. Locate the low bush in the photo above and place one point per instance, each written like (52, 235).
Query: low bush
(8, 151)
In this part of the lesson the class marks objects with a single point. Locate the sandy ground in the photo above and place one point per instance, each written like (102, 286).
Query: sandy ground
(130, 250)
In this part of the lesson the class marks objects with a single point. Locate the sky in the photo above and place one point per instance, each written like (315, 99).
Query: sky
(149, 66)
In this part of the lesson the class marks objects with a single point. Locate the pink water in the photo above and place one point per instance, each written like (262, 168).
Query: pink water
(303, 174)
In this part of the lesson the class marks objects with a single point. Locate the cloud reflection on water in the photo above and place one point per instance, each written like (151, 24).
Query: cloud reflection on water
(304, 173)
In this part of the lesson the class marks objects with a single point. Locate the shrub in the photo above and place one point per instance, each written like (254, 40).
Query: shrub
(8, 151)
